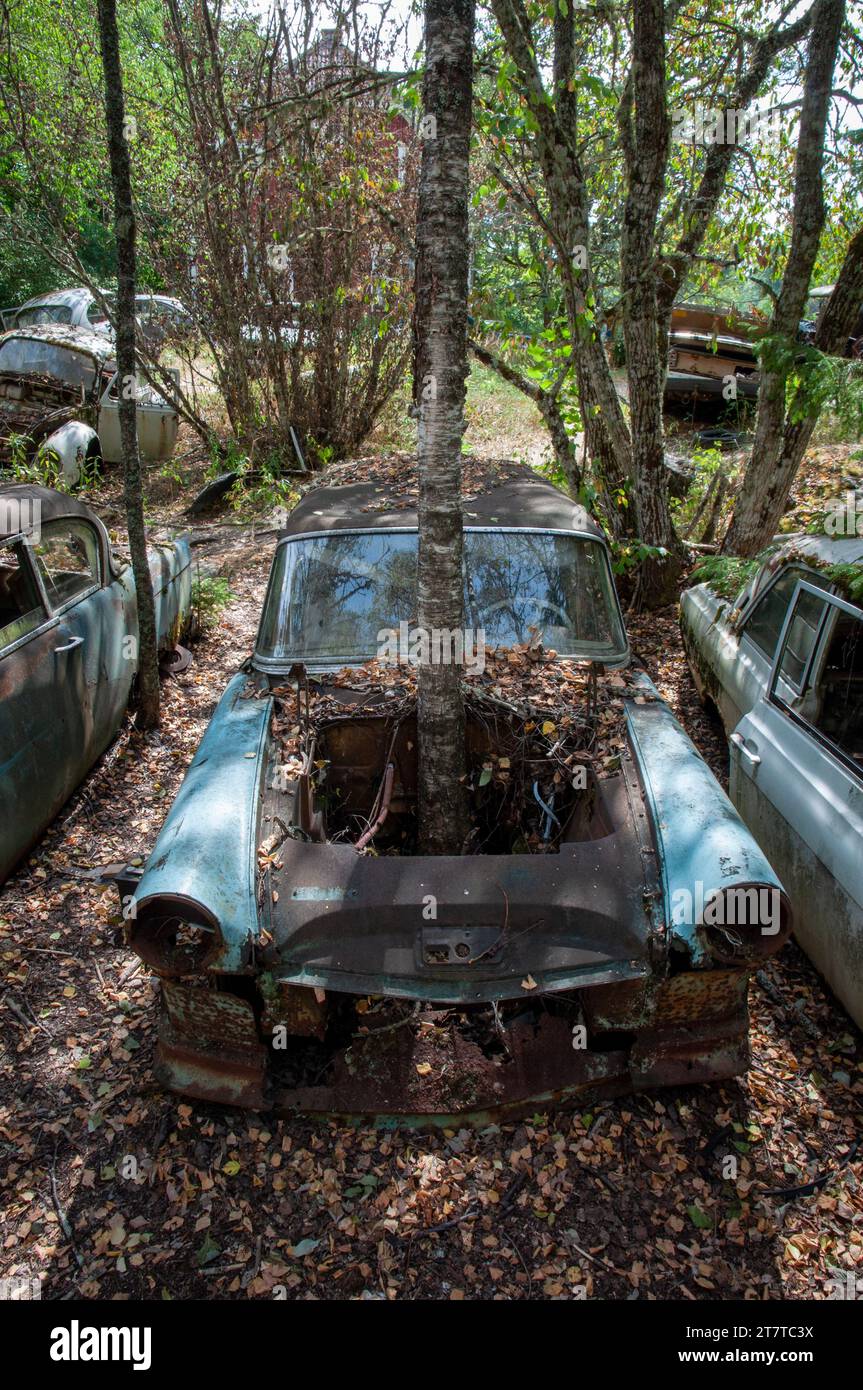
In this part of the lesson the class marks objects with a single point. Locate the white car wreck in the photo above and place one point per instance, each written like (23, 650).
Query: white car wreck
(60, 398)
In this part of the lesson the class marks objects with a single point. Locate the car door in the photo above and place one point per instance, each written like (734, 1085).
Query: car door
(97, 619)
(157, 423)
(39, 725)
(797, 780)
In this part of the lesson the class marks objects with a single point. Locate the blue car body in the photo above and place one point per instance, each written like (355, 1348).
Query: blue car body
(604, 963)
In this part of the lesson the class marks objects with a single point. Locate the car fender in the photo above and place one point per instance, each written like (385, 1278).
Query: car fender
(73, 443)
(171, 574)
(206, 849)
(700, 838)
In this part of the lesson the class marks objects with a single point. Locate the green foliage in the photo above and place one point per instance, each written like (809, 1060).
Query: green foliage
(726, 575)
(46, 468)
(705, 464)
(628, 555)
(262, 488)
(848, 580)
(210, 595)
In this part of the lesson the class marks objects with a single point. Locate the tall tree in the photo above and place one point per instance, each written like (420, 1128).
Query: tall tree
(770, 475)
(645, 126)
(440, 371)
(124, 232)
(671, 201)
(835, 325)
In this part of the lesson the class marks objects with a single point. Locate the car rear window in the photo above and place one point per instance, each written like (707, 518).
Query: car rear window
(330, 596)
(765, 622)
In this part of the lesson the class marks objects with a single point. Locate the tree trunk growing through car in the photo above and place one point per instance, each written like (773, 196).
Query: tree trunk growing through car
(440, 369)
(124, 232)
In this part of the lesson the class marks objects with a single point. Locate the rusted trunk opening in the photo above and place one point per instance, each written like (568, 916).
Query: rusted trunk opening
(521, 802)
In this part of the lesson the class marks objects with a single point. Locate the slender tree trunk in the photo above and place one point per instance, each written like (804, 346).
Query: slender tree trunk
(548, 405)
(770, 475)
(440, 372)
(646, 130)
(568, 218)
(124, 231)
(835, 327)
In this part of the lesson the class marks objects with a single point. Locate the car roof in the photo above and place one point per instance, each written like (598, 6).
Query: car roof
(52, 505)
(494, 493)
(68, 336)
(70, 297)
(826, 550)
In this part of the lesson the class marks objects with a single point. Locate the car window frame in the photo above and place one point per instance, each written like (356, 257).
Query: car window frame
(758, 598)
(278, 665)
(95, 587)
(21, 539)
(830, 600)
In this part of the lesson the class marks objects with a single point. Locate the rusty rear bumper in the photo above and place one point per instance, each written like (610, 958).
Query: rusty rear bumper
(690, 1028)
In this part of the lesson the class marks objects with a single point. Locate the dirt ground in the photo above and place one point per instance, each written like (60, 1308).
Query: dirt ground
(115, 1189)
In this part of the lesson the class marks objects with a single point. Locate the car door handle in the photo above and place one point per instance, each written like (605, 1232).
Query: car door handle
(740, 743)
(76, 642)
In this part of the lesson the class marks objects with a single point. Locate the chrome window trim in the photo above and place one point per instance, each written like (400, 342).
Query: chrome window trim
(49, 616)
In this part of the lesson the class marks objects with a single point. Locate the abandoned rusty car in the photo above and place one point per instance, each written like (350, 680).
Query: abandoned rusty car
(60, 402)
(68, 649)
(597, 933)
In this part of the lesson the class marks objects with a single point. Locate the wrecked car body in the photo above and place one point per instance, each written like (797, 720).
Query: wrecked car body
(60, 399)
(68, 650)
(782, 663)
(311, 959)
(711, 356)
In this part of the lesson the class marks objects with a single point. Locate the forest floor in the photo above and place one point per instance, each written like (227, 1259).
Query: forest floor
(116, 1189)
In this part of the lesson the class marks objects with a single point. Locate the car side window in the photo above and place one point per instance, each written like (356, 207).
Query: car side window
(21, 608)
(764, 624)
(800, 639)
(67, 556)
(834, 707)
(840, 689)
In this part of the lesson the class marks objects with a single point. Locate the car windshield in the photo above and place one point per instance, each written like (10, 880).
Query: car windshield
(330, 597)
(43, 313)
(34, 357)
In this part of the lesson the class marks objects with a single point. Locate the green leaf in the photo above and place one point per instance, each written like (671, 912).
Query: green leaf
(304, 1247)
(698, 1218)
(208, 1251)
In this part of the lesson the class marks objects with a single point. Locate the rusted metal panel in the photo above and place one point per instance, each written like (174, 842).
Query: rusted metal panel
(300, 1012)
(209, 1046)
(436, 1066)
